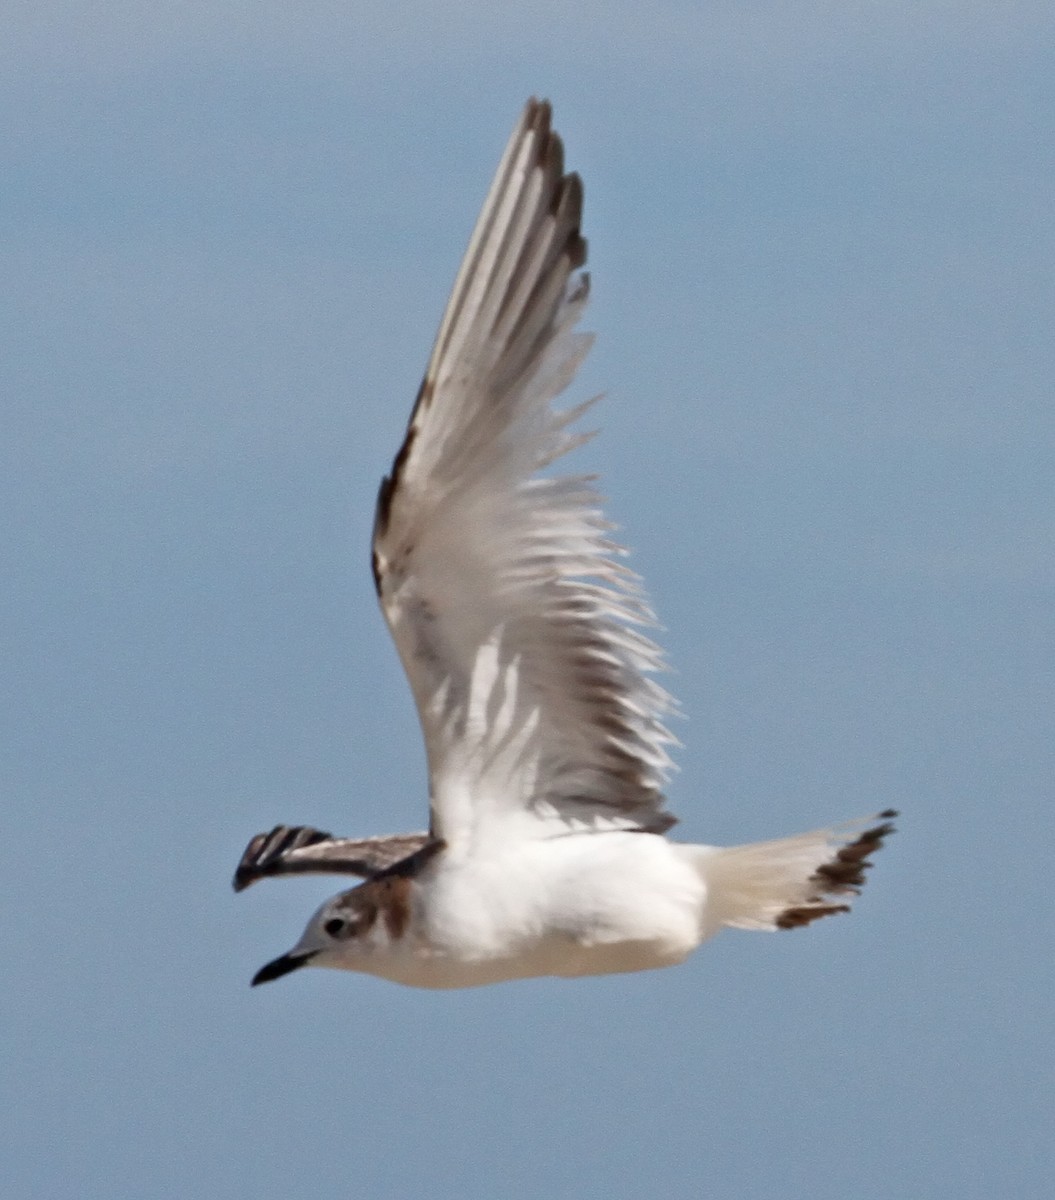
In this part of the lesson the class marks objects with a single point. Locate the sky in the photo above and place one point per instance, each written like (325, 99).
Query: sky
(822, 258)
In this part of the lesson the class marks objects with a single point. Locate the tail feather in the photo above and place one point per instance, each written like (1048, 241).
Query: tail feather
(790, 882)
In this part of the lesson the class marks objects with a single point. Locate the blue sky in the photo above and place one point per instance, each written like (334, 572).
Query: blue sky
(822, 254)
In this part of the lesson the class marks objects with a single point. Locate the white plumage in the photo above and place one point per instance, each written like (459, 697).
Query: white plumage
(522, 635)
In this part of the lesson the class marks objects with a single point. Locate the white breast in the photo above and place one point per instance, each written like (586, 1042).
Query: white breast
(580, 904)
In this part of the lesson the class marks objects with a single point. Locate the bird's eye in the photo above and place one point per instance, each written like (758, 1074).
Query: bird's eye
(334, 927)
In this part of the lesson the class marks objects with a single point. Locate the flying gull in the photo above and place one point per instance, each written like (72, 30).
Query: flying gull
(522, 635)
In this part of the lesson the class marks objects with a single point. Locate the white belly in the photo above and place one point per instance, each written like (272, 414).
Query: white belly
(591, 904)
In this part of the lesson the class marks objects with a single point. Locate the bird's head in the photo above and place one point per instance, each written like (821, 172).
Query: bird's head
(348, 930)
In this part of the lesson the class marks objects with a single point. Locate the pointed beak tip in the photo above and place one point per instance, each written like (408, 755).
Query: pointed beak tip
(279, 967)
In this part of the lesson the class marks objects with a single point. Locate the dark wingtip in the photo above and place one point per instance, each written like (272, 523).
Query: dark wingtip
(265, 853)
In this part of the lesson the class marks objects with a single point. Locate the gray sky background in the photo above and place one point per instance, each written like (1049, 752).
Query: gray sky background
(822, 248)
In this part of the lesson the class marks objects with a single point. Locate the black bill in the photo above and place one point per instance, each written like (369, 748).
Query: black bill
(281, 966)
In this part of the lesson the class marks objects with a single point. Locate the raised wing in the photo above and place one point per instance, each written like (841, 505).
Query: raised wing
(301, 850)
(518, 629)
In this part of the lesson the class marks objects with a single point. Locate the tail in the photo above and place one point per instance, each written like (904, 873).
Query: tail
(793, 881)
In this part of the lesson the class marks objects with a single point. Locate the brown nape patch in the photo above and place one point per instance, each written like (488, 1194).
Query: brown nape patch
(395, 904)
(387, 897)
(393, 887)
(844, 874)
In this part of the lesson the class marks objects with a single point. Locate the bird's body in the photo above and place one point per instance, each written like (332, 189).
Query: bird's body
(521, 634)
(579, 905)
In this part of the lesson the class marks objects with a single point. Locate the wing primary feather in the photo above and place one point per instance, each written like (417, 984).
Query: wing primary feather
(521, 631)
(302, 850)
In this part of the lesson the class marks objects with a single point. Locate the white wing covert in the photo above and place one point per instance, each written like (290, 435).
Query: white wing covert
(519, 630)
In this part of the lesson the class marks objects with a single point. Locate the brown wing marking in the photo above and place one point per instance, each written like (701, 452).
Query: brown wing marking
(301, 850)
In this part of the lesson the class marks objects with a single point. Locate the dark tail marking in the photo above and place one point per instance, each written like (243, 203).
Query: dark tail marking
(841, 875)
